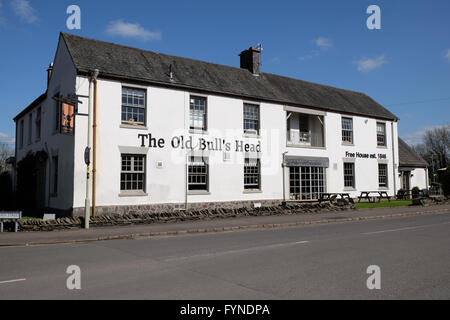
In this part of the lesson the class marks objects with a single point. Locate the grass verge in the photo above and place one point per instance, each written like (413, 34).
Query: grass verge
(383, 204)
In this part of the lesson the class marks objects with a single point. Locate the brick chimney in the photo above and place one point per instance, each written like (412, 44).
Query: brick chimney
(250, 60)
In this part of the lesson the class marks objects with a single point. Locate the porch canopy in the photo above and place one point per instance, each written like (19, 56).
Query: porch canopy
(297, 161)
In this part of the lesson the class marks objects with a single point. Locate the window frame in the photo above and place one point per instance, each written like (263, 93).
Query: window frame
(258, 120)
(55, 175)
(347, 175)
(250, 175)
(343, 130)
(192, 127)
(30, 128)
(21, 132)
(193, 163)
(307, 182)
(143, 172)
(133, 106)
(384, 135)
(38, 123)
(383, 185)
(57, 119)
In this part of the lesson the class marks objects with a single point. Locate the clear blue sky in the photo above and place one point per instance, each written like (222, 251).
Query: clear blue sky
(405, 66)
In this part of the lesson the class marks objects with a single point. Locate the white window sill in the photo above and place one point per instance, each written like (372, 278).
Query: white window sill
(292, 145)
(251, 135)
(349, 189)
(198, 131)
(132, 193)
(382, 147)
(198, 193)
(131, 126)
(250, 191)
(383, 189)
(348, 144)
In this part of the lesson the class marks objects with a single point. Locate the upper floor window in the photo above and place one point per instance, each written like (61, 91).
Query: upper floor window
(21, 132)
(133, 106)
(197, 113)
(251, 118)
(38, 123)
(305, 130)
(347, 130)
(30, 127)
(381, 134)
(57, 114)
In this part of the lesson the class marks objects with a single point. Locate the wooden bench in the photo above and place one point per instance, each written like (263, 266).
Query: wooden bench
(333, 196)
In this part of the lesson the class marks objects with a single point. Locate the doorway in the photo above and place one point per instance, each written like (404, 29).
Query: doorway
(406, 180)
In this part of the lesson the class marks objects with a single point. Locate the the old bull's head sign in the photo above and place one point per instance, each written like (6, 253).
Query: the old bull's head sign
(191, 143)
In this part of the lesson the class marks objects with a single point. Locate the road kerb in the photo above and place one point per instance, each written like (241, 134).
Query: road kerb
(228, 229)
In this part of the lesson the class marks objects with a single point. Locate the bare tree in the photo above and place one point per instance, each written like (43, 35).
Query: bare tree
(435, 148)
(5, 153)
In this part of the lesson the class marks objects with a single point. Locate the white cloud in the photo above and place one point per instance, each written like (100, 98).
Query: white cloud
(131, 30)
(415, 137)
(6, 139)
(312, 54)
(370, 64)
(2, 18)
(447, 54)
(24, 11)
(322, 42)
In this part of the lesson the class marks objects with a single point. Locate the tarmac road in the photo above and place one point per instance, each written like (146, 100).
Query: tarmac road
(310, 262)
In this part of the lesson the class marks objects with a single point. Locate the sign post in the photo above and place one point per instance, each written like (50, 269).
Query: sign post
(10, 216)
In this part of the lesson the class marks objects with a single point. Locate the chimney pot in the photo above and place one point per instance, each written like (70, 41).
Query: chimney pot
(251, 60)
(49, 73)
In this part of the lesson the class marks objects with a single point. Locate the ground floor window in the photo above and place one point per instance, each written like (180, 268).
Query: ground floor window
(198, 174)
(55, 175)
(252, 174)
(382, 175)
(132, 176)
(349, 175)
(306, 183)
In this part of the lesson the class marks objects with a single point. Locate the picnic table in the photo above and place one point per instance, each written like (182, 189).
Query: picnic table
(333, 196)
(371, 195)
(408, 194)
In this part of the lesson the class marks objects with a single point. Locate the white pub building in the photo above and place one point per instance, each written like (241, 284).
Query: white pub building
(171, 133)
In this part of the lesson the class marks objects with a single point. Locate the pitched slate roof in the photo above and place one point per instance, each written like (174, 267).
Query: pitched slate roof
(408, 157)
(134, 64)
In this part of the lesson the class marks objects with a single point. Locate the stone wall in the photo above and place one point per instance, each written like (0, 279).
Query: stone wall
(130, 218)
(173, 207)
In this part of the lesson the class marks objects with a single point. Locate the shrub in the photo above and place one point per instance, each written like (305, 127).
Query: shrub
(415, 192)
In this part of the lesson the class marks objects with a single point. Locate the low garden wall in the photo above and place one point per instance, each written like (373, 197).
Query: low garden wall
(149, 218)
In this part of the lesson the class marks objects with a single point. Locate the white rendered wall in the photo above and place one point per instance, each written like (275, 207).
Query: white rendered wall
(55, 144)
(168, 116)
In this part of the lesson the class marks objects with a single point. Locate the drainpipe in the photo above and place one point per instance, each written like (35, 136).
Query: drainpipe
(186, 168)
(87, 201)
(94, 149)
(393, 159)
(284, 175)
